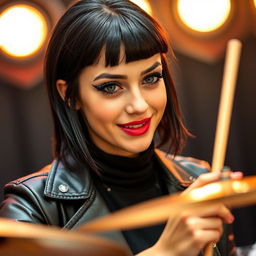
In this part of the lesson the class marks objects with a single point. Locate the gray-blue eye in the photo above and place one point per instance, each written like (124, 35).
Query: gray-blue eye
(108, 87)
(152, 78)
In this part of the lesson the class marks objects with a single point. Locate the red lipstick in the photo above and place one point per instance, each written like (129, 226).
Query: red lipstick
(136, 128)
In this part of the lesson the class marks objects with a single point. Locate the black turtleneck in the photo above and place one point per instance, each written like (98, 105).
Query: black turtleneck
(125, 181)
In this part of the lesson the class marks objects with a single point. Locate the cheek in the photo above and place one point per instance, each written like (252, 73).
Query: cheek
(158, 101)
(100, 111)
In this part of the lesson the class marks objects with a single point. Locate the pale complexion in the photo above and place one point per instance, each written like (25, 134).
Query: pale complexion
(114, 96)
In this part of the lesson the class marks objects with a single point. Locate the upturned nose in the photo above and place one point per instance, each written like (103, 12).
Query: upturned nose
(137, 103)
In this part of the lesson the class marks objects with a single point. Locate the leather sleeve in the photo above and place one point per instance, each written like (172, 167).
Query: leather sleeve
(20, 203)
(24, 200)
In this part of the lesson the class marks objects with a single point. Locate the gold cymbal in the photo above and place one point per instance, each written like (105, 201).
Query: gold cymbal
(26, 239)
(232, 193)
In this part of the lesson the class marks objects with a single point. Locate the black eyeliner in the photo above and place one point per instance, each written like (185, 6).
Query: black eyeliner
(101, 87)
(157, 74)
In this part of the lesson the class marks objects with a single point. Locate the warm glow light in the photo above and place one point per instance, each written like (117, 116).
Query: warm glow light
(144, 4)
(205, 192)
(23, 30)
(203, 15)
(255, 3)
(240, 187)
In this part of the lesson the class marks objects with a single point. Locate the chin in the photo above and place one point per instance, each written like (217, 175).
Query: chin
(140, 147)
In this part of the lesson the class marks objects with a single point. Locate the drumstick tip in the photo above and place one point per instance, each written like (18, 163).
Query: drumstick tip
(235, 42)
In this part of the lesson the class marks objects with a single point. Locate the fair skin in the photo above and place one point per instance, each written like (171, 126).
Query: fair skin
(110, 98)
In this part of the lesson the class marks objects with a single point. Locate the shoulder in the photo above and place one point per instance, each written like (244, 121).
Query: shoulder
(23, 198)
(41, 196)
(55, 181)
(194, 165)
(184, 169)
(31, 181)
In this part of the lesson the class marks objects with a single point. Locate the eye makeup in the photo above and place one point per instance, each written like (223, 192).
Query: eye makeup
(109, 88)
(152, 78)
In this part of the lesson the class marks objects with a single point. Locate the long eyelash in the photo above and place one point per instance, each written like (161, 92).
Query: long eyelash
(156, 74)
(101, 87)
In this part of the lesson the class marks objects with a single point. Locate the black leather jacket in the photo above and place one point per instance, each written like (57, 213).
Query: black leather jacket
(60, 197)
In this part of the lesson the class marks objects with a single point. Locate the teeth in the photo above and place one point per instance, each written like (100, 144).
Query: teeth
(134, 126)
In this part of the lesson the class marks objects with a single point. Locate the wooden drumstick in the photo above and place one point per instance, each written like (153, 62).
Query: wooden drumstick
(225, 109)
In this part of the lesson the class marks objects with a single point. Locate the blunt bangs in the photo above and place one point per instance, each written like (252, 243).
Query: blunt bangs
(140, 39)
(110, 26)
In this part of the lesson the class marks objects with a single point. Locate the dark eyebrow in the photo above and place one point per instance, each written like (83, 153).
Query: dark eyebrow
(110, 76)
(115, 76)
(155, 65)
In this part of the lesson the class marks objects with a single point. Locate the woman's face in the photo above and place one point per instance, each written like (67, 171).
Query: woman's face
(123, 105)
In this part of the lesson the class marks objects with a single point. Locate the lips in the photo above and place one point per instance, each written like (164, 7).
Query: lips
(136, 128)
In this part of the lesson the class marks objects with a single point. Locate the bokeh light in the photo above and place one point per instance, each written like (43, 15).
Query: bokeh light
(23, 30)
(203, 15)
(145, 5)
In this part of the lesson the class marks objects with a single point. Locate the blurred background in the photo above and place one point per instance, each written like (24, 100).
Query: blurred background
(199, 31)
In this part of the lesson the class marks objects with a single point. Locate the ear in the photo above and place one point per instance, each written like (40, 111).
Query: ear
(62, 86)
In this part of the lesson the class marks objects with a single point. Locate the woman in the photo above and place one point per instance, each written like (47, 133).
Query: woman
(112, 99)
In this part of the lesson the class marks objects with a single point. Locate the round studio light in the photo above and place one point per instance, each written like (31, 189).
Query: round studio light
(203, 15)
(144, 4)
(23, 30)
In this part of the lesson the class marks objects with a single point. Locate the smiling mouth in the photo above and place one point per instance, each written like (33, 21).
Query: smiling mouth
(133, 126)
(136, 128)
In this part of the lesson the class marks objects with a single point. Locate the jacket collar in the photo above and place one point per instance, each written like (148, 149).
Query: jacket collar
(177, 174)
(63, 183)
(66, 184)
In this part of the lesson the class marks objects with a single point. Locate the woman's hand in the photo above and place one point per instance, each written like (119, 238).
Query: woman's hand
(188, 233)
(210, 177)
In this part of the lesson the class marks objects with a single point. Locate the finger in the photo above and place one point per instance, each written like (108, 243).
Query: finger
(216, 210)
(207, 178)
(211, 223)
(204, 179)
(236, 175)
(199, 238)
(204, 237)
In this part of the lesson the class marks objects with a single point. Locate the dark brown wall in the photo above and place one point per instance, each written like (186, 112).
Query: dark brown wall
(25, 131)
